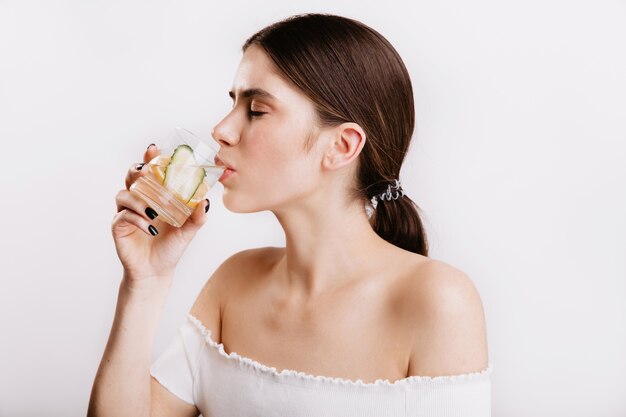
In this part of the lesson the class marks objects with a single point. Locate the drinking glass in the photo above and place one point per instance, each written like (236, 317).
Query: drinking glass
(180, 177)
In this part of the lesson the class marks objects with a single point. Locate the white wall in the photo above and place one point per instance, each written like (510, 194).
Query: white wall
(518, 164)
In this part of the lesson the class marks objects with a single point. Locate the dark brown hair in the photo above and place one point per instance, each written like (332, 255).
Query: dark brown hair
(353, 74)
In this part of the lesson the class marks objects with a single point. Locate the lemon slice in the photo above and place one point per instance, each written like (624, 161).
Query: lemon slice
(157, 167)
(199, 194)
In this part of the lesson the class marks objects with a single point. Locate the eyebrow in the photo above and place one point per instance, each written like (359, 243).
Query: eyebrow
(253, 92)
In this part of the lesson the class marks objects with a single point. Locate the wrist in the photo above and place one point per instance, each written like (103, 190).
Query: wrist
(146, 284)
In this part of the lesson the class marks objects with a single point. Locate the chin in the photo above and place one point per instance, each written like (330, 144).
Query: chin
(240, 205)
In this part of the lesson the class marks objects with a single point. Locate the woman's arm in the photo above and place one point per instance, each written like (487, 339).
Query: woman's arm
(123, 385)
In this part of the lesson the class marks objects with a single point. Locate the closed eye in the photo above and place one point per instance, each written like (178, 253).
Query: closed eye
(256, 113)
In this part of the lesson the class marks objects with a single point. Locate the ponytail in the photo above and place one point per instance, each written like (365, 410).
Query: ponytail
(395, 218)
(398, 222)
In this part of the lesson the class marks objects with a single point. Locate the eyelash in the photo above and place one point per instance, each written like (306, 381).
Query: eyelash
(255, 113)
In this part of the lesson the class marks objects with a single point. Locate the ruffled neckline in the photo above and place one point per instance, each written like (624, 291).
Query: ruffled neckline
(302, 376)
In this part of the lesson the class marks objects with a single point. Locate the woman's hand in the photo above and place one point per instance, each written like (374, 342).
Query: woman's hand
(148, 248)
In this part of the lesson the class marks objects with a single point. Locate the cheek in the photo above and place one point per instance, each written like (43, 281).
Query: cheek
(278, 157)
(276, 144)
(266, 154)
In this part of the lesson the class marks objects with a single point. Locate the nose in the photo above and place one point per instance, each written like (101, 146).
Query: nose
(225, 133)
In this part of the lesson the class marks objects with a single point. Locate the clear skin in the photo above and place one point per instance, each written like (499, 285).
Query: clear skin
(337, 300)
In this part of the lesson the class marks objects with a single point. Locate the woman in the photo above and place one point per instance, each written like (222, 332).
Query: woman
(350, 318)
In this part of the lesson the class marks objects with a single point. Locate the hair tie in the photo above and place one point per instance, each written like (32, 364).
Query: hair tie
(393, 192)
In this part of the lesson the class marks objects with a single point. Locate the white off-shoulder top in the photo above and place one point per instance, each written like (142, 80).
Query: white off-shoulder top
(199, 371)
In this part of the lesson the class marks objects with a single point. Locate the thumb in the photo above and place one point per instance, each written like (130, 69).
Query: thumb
(197, 219)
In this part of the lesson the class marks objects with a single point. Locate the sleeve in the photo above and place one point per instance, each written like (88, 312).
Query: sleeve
(176, 367)
(461, 396)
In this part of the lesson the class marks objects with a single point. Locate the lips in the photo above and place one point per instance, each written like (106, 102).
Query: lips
(220, 162)
(226, 174)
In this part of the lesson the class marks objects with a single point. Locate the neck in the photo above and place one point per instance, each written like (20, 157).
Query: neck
(328, 243)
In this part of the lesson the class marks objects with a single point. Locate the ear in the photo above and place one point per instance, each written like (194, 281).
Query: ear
(347, 141)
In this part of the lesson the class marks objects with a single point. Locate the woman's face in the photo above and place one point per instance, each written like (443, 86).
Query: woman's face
(263, 138)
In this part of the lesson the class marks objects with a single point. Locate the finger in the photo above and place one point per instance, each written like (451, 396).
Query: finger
(151, 152)
(137, 170)
(130, 217)
(196, 220)
(128, 200)
(134, 171)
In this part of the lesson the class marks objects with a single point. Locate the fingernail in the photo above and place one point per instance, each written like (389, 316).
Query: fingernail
(151, 213)
(153, 231)
(152, 144)
(138, 167)
(208, 204)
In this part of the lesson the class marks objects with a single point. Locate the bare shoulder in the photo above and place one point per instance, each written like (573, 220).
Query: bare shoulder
(436, 284)
(444, 315)
(230, 275)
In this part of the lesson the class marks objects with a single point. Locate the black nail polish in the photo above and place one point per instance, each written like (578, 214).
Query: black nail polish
(208, 204)
(138, 167)
(153, 231)
(152, 144)
(151, 213)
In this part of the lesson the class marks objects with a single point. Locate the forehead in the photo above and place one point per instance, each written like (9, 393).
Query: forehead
(256, 70)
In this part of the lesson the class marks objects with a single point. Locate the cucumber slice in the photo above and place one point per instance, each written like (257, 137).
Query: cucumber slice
(182, 174)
